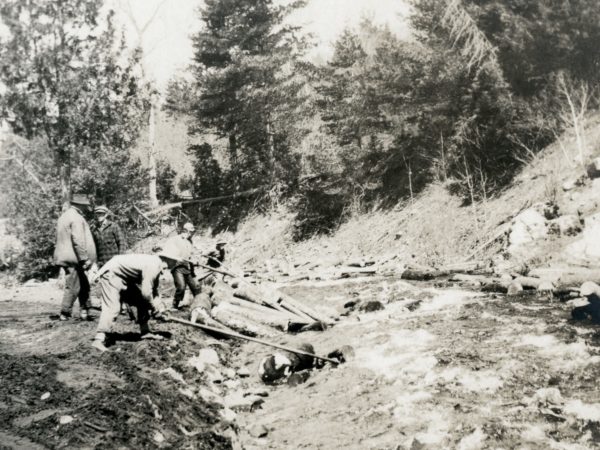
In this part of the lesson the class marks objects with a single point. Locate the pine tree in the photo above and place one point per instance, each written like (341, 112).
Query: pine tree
(246, 61)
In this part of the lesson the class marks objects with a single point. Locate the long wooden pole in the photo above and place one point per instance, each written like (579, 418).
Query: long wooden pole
(248, 338)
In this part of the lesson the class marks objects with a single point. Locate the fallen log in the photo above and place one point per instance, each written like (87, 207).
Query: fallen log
(348, 273)
(266, 310)
(232, 319)
(254, 316)
(310, 312)
(252, 294)
(422, 275)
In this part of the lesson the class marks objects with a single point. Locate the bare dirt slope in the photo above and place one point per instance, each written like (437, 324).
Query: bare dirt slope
(57, 392)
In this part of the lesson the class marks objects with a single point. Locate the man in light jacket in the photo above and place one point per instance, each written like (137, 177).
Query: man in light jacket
(75, 252)
(131, 279)
(180, 246)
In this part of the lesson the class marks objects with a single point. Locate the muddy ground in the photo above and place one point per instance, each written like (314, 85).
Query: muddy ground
(437, 368)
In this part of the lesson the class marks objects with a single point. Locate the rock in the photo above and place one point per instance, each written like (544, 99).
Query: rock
(158, 437)
(568, 225)
(593, 169)
(569, 185)
(529, 226)
(173, 374)
(514, 288)
(230, 373)
(213, 375)
(371, 306)
(298, 378)
(258, 431)
(63, 420)
(243, 372)
(187, 392)
(236, 401)
(206, 358)
(228, 415)
(209, 396)
(586, 250)
(232, 384)
(343, 354)
(45, 396)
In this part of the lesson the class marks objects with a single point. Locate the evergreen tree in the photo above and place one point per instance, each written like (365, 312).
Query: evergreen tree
(246, 71)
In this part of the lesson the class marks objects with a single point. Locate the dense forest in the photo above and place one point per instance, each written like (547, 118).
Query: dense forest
(479, 88)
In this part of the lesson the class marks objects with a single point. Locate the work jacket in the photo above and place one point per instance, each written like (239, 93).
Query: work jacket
(74, 241)
(110, 241)
(142, 271)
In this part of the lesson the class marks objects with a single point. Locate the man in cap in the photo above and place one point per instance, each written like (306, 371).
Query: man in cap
(131, 279)
(217, 256)
(109, 238)
(76, 253)
(180, 249)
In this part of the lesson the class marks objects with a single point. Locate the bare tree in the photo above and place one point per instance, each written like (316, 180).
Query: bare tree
(141, 30)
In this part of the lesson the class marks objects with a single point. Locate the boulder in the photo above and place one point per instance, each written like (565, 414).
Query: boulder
(586, 250)
(258, 431)
(568, 225)
(529, 226)
(593, 169)
(514, 288)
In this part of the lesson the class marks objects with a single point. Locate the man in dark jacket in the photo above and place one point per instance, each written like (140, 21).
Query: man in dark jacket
(110, 240)
(76, 253)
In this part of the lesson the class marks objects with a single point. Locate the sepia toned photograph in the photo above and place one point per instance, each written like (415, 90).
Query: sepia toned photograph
(300, 224)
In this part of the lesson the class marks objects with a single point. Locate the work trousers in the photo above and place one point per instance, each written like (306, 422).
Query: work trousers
(184, 276)
(114, 291)
(77, 285)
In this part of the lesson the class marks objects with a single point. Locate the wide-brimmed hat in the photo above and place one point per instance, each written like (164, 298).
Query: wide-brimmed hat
(221, 242)
(80, 199)
(101, 209)
(589, 288)
(188, 226)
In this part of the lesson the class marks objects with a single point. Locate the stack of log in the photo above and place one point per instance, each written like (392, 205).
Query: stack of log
(261, 310)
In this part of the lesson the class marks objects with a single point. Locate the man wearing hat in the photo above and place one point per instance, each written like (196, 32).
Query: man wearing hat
(109, 238)
(131, 279)
(591, 292)
(180, 248)
(76, 253)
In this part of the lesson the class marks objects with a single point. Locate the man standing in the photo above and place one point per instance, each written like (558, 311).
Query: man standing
(132, 279)
(110, 240)
(180, 247)
(75, 252)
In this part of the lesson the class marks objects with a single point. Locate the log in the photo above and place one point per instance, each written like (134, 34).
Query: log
(496, 285)
(266, 310)
(251, 293)
(260, 317)
(422, 275)
(348, 273)
(222, 313)
(312, 313)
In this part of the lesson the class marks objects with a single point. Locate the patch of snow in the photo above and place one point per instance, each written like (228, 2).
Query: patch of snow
(534, 433)
(564, 356)
(583, 411)
(402, 353)
(473, 441)
(447, 299)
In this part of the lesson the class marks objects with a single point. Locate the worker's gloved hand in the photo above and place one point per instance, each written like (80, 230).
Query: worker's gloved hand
(85, 265)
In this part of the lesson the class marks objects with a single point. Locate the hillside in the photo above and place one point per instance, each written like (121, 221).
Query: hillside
(437, 229)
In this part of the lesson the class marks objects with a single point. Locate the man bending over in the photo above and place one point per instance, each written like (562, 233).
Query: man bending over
(132, 279)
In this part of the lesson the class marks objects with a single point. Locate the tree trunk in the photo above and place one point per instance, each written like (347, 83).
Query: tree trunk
(65, 181)
(271, 153)
(152, 158)
(233, 159)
